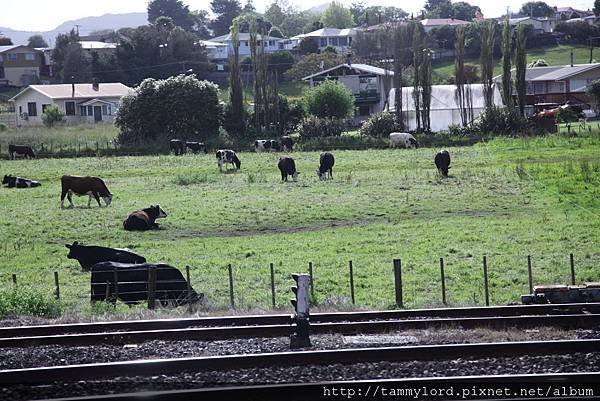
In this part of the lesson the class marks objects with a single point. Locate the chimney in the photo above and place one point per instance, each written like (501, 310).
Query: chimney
(72, 86)
(95, 84)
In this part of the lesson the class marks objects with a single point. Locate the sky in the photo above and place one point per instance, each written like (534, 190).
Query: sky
(45, 15)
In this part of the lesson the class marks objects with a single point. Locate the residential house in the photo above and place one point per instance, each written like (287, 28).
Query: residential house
(567, 13)
(368, 84)
(340, 39)
(270, 43)
(445, 110)
(100, 48)
(81, 103)
(19, 65)
(590, 19)
(432, 23)
(538, 26)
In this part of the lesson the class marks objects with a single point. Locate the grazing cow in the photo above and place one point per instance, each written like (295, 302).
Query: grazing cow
(91, 186)
(403, 139)
(196, 147)
(132, 284)
(326, 166)
(89, 255)
(442, 162)
(287, 166)
(287, 143)
(19, 182)
(15, 151)
(225, 157)
(145, 219)
(177, 146)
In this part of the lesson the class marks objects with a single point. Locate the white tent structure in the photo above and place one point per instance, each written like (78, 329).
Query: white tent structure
(444, 105)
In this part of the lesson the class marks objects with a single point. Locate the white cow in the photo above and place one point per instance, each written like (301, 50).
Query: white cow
(403, 139)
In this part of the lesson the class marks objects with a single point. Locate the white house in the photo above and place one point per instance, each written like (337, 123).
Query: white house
(340, 39)
(368, 84)
(445, 110)
(81, 103)
(432, 23)
(215, 50)
(270, 43)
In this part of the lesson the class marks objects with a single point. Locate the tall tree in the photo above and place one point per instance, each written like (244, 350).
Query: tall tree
(417, 58)
(400, 37)
(274, 14)
(426, 89)
(464, 11)
(68, 56)
(175, 9)
(236, 118)
(225, 11)
(438, 9)
(536, 9)
(506, 64)
(487, 61)
(249, 7)
(5, 41)
(521, 66)
(337, 16)
(36, 41)
(596, 7)
(460, 76)
(201, 23)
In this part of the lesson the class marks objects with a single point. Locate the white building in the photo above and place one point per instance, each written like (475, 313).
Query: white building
(215, 50)
(431, 23)
(81, 103)
(340, 39)
(445, 110)
(368, 84)
(270, 43)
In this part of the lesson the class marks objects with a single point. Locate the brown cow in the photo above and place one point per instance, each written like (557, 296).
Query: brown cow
(91, 186)
(145, 219)
(15, 151)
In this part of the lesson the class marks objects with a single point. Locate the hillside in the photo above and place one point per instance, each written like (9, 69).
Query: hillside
(87, 25)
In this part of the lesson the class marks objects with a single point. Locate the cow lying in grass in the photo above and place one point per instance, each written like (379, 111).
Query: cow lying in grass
(132, 284)
(19, 182)
(145, 219)
(89, 255)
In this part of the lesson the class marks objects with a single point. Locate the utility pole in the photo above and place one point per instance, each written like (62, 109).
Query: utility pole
(77, 28)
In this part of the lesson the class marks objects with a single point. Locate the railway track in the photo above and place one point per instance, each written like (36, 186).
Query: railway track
(284, 319)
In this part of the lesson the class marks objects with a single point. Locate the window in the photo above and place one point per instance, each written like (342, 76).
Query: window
(44, 107)
(364, 111)
(82, 110)
(90, 111)
(104, 110)
(1, 57)
(11, 56)
(539, 87)
(245, 43)
(556, 87)
(343, 41)
(70, 108)
(32, 109)
(323, 42)
(30, 56)
(333, 41)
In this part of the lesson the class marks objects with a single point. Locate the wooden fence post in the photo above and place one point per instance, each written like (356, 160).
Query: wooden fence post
(152, 288)
(116, 278)
(485, 282)
(14, 277)
(351, 283)
(398, 281)
(529, 274)
(572, 269)
(443, 278)
(272, 269)
(312, 280)
(231, 300)
(56, 286)
(107, 293)
(189, 288)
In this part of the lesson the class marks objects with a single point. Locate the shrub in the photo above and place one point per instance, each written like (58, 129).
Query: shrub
(311, 63)
(330, 99)
(565, 115)
(501, 121)
(379, 125)
(2, 127)
(315, 127)
(180, 106)
(24, 301)
(52, 115)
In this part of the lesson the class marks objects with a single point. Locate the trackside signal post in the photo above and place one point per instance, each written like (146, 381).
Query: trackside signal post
(300, 319)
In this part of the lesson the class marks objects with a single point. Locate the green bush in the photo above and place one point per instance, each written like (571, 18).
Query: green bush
(347, 142)
(330, 99)
(565, 115)
(26, 302)
(379, 125)
(52, 116)
(501, 121)
(2, 127)
(315, 127)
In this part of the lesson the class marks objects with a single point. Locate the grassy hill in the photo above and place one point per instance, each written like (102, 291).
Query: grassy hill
(556, 55)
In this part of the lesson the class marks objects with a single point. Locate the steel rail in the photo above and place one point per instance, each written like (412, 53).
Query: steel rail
(154, 367)
(223, 321)
(268, 331)
(315, 391)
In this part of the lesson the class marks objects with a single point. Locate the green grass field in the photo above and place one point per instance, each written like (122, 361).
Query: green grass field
(505, 199)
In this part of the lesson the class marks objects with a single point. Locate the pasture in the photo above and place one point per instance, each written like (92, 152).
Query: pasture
(505, 199)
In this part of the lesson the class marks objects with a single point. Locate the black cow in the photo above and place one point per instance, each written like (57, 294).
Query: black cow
(19, 182)
(287, 143)
(145, 219)
(326, 166)
(177, 146)
(87, 256)
(287, 166)
(196, 147)
(132, 280)
(227, 156)
(15, 151)
(442, 162)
